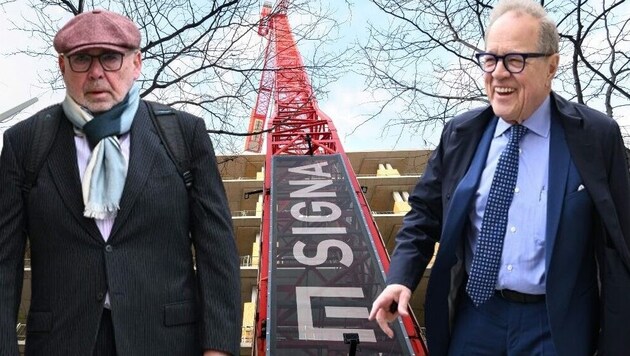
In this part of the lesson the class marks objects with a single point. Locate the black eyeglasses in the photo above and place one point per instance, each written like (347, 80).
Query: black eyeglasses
(110, 61)
(513, 62)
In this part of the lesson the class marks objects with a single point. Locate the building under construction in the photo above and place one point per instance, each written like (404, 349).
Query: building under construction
(313, 223)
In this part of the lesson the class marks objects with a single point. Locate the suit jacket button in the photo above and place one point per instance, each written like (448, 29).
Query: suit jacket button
(109, 248)
(100, 296)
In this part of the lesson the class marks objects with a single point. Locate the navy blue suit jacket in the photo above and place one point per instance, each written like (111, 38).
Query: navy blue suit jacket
(587, 232)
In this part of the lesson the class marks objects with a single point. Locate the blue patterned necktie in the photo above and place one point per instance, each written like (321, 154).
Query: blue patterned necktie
(485, 265)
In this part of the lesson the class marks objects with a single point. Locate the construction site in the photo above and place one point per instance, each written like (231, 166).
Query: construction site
(314, 224)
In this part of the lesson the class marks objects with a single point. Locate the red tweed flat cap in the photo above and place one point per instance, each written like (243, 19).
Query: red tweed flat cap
(97, 29)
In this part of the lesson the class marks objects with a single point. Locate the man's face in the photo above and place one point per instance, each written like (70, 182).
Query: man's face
(515, 97)
(97, 89)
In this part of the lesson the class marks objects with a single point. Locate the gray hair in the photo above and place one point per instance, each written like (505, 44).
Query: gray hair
(548, 38)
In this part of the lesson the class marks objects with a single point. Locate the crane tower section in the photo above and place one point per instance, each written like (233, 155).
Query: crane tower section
(322, 259)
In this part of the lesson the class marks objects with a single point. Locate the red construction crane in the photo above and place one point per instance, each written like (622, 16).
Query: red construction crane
(322, 259)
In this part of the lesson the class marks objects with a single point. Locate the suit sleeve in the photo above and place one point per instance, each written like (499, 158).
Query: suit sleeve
(415, 242)
(12, 244)
(619, 184)
(215, 250)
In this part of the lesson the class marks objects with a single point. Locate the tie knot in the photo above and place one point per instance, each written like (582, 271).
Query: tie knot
(518, 131)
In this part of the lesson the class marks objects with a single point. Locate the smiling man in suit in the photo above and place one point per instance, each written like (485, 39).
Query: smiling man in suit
(110, 221)
(529, 199)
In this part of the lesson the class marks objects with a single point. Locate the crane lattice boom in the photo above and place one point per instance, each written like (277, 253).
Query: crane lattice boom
(322, 257)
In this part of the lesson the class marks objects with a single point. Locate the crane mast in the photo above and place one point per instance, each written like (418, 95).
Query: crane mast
(323, 261)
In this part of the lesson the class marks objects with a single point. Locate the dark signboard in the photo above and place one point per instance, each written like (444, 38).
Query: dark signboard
(324, 271)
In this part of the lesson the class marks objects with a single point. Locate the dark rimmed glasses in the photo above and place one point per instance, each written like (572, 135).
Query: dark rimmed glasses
(110, 61)
(513, 62)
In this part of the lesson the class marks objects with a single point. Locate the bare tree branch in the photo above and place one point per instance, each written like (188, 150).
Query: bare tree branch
(421, 65)
(201, 56)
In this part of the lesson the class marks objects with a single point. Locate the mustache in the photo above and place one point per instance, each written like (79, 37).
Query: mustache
(97, 86)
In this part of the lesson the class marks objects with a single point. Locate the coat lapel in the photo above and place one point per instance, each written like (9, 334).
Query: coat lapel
(63, 167)
(587, 160)
(144, 141)
(559, 160)
(465, 139)
(459, 207)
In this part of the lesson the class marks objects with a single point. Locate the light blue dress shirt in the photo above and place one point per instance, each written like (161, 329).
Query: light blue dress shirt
(522, 265)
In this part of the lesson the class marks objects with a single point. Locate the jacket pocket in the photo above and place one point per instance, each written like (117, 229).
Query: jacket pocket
(180, 313)
(39, 322)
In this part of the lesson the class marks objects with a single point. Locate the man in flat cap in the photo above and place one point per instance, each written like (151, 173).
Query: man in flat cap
(110, 221)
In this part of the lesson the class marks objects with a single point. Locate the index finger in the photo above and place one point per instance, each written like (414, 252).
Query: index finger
(376, 306)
